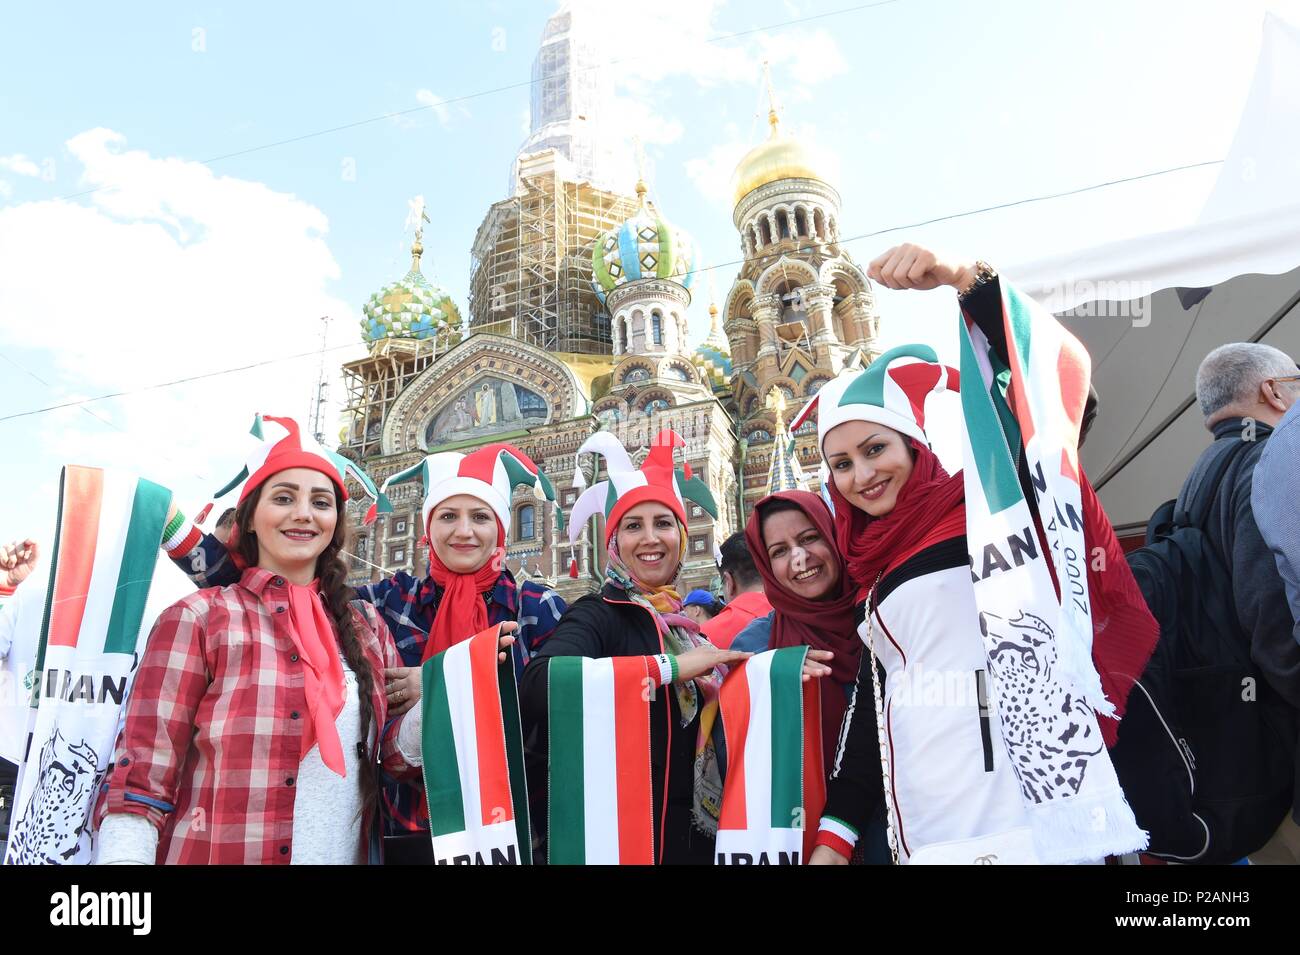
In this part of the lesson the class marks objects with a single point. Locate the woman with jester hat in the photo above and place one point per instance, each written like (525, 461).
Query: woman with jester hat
(258, 722)
(466, 518)
(987, 693)
(638, 613)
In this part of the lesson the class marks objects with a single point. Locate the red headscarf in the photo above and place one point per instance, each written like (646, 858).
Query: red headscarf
(825, 624)
(462, 612)
(870, 544)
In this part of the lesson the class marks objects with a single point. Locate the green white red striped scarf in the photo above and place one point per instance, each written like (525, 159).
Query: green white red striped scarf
(106, 545)
(473, 751)
(775, 782)
(600, 794)
(1039, 644)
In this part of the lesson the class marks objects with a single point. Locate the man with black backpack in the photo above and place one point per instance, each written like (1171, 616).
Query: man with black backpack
(1241, 393)
(1207, 755)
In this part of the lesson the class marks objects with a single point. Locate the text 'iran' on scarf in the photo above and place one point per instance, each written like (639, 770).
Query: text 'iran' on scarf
(824, 624)
(869, 544)
(462, 611)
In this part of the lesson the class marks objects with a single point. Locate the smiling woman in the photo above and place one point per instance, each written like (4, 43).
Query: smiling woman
(639, 613)
(976, 743)
(293, 666)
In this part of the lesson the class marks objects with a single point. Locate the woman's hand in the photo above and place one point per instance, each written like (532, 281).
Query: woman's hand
(17, 561)
(814, 664)
(503, 644)
(910, 266)
(825, 855)
(403, 685)
(700, 660)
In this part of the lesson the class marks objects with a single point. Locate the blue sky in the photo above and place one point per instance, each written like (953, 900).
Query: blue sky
(922, 108)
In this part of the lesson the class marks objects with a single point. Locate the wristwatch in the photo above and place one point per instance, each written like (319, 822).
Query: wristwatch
(984, 274)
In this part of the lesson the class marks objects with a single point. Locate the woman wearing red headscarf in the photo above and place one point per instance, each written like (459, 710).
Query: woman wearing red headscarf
(791, 537)
(978, 738)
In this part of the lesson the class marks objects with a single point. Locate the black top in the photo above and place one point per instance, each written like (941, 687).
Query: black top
(607, 624)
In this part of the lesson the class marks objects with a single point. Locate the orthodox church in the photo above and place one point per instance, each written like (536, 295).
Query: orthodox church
(577, 322)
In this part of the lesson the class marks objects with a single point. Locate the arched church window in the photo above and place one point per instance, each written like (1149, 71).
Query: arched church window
(753, 241)
(819, 223)
(657, 328)
(800, 221)
(782, 224)
(525, 523)
(765, 230)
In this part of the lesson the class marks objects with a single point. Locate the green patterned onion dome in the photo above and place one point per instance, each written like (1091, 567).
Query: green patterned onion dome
(713, 357)
(411, 308)
(643, 247)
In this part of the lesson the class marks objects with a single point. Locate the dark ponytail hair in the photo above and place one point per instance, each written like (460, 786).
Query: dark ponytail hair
(332, 573)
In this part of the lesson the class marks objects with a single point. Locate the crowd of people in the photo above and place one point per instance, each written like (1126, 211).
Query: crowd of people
(275, 718)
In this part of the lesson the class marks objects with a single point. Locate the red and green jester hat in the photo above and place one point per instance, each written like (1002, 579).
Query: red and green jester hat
(658, 479)
(490, 474)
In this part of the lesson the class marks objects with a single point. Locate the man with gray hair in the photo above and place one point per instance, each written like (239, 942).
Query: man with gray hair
(1244, 389)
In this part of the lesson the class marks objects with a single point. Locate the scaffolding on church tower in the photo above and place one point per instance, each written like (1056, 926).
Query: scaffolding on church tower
(530, 270)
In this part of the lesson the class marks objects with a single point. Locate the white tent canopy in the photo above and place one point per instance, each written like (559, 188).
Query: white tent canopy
(1149, 309)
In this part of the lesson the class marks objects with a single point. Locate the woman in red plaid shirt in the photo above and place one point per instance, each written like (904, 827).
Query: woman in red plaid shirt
(258, 719)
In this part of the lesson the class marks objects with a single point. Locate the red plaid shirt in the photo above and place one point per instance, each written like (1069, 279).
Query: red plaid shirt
(213, 736)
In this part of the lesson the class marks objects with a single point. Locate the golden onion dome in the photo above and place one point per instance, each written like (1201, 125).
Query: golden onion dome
(777, 158)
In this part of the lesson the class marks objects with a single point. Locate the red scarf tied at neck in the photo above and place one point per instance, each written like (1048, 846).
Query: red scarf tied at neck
(462, 612)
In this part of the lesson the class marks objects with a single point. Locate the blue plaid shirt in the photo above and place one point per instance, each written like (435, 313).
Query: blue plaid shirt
(408, 605)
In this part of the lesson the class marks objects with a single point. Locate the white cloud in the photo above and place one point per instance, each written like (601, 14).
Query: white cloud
(6, 189)
(711, 172)
(167, 270)
(437, 104)
(20, 165)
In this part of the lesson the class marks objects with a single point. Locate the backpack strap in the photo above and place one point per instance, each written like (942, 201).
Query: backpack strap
(1198, 506)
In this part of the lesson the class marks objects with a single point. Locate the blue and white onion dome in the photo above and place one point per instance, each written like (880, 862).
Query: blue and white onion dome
(410, 308)
(713, 357)
(643, 247)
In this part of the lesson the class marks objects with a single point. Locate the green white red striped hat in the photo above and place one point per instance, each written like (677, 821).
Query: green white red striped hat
(282, 445)
(891, 391)
(658, 479)
(489, 473)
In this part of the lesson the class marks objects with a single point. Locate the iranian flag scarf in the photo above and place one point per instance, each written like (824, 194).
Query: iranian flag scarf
(1039, 644)
(106, 545)
(600, 792)
(775, 782)
(473, 751)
